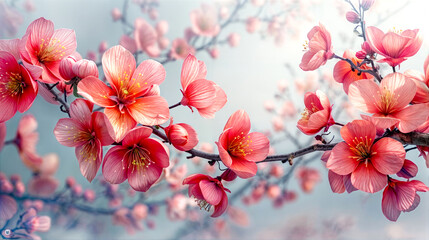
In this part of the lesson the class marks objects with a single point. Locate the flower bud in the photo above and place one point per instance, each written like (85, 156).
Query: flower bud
(84, 68)
(234, 39)
(116, 14)
(367, 48)
(252, 24)
(182, 136)
(163, 42)
(89, 195)
(214, 53)
(352, 17)
(361, 54)
(66, 68)
(228, 175)
(162, 28)
(102, 47)
(139, 211)
(366, 4)
(70, 182)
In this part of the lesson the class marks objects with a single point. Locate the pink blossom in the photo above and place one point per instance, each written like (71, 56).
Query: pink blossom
(176, 207)
(42, 46)
(422, 83)
(128, 43)
(11, 46)
(18, 89)
(307, 178)
(319, 49)
(102, 47)
(234, 39)
(278, 124)
(202, 94)
(85, 68)
(180, 49)
(26, 141)
(395, 47)
(161, 28)
(139, 211)
(317, 113)
(352, 17)
(66, 66)
(10, 20)
(116, 14)
(139, 158)
(182, 136)
(238, 149)
(399, 196)
(204, 21)
(33, 223)
(88, 132)
(127, 100)
(346, 75)
(252, 24)
(43, 185)
(276, 171)
(89, 195)
(123, 217)
(366, 4)
(208, 192)
(238, 216)
(146, 37)
(389, 102)
(369, 163)
(214, 52)
(273, 191)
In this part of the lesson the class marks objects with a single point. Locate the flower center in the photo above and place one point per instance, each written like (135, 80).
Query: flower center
(15, 85)
(50, 51)
(305, 46)
(140, 158)
(361, 148)
(203, 204)
(239, 146)
(388, 100)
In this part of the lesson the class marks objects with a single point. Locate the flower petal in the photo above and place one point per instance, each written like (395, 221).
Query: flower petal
(389, 156)
(364, 95)
(142, 178)
(243, 168)
(258, 147)
(121, 122)
(389, 203)
(221, 207)
(151, 110)
(114, 166)
(96, 91)
(336, 182)
(211, 192)
(366, 178)
(339, 161)
(90, 156)
(68, 132)
(118, 66)
(149, 72)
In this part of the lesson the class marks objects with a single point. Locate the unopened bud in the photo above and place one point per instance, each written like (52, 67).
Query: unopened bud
(352, 17)
(234, 39)
(84, 68)
(366, 4)
(116, 14)
(66, 68)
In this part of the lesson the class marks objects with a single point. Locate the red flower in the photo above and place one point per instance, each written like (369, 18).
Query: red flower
(208, 192)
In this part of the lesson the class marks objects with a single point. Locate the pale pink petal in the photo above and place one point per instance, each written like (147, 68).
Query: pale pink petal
(114, 168)
(221, 207)
(374, 37)
(312, 60)
(199, 94)
(63, 42)
(336, 182)
(8, 207)
(96, 91)
(364, 95)
(11, 46)
(151, 110)
(190, 71)
(81, 112)
(142, 178)
(40, 30)
(412, 117)
(393, 43)
(403, 89)
(211, 192)
(121, 122)
(128, 43)
(360, 129)
(243, 168)
(118, 66)
(389, 156)
(339, 161)
(381, 121)
(258, 147)
(389, 204)
(68, 132)
(149, 72)
(89, 156)
(218, 103)
(366, 178)
(102, 128)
